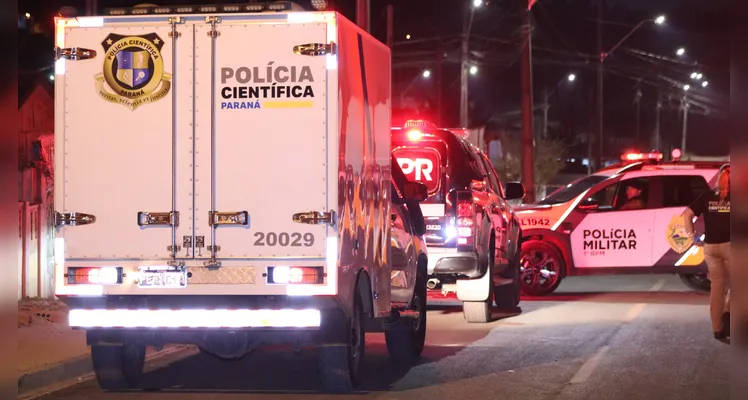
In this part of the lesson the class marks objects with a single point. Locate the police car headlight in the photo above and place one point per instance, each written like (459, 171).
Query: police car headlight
(319, 5)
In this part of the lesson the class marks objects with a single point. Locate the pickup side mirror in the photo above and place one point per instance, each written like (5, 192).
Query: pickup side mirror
(415, 191)
(514, 191)
(479, 185)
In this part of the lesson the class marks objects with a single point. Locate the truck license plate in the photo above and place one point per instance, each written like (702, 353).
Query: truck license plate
(162, 279)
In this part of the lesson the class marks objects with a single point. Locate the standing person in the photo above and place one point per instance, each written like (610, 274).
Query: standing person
(715, 205)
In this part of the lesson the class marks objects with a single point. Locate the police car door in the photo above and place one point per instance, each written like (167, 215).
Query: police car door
(261, 154)
(607, 237)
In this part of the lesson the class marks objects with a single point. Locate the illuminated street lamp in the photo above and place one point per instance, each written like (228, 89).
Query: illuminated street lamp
(28, 15)
(686, 87)
(407, 37)
(426, 73)
(477, 3)
(660, 20)
(704, 84)
(473, 70)
(681, 51)
(571, 77)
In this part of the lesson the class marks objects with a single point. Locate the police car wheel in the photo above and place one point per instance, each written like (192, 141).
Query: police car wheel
(541, 268)
(699, 283)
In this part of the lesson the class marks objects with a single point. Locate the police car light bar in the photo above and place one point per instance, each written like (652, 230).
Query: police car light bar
(655, 155)
(419, 123)
(277, 6)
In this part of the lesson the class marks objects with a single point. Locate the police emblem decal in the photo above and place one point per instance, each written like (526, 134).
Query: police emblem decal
(133, 70)
(677, 236)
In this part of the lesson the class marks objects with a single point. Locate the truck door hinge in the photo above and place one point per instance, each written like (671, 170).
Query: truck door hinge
(73, 219)
(174, 21)
(213, 32)
(74, 53)
(316, 49)
(316, 218)
(158, 218)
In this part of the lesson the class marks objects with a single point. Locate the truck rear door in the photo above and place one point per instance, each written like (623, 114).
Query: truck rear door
(261, 139)
(116, 141)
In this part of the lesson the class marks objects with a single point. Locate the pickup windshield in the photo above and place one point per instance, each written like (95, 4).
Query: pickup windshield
(572, 190)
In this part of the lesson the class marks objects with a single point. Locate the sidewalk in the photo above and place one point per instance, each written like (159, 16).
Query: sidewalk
(49, 351)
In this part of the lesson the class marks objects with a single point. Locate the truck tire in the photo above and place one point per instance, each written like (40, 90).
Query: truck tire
(476, 312)
(405, 340)
(507, 297)
(699, 283)
(340, 367)
(533, 253)
(118, 367)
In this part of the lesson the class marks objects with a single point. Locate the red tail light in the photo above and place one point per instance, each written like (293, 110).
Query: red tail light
(94, 275)
(296, 275)
(465, 221)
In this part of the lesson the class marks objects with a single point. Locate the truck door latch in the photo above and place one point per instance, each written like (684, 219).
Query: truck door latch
(315, 218)
(228, 218)
(315, 49)
(164, 218)
(74, 53)
(73, 219)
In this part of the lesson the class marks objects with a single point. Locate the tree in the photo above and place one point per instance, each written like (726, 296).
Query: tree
(549, 159)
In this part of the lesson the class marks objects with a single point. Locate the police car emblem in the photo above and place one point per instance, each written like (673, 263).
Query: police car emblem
(677, 236)
(133, 70)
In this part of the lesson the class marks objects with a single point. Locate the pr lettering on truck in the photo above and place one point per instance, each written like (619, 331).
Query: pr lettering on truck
(584, 229)
(191, 228)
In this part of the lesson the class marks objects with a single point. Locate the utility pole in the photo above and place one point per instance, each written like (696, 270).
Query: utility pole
(91, 7)
(545, 111)
(637, 98)
(438, 83)
(657, 122)
(528, 138)
(362, 14)
(600, 138)
(684, 104)
(390, 23)
(590, 132)
(468, 21)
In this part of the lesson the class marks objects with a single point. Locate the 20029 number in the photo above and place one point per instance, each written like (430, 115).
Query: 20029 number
(284, 239)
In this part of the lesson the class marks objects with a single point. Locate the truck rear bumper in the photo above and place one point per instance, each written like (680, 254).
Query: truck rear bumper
(229, 326)
(448, 261)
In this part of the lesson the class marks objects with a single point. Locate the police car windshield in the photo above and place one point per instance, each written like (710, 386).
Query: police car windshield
(572, 190)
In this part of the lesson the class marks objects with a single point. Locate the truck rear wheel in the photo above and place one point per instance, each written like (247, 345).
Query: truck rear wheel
(340, 367)
(405, 340)
(118, 367)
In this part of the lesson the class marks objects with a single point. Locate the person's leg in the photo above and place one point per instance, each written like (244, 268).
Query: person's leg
(725, 253)
(717, 293)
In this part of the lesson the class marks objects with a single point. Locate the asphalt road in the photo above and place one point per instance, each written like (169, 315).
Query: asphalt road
(602, 338)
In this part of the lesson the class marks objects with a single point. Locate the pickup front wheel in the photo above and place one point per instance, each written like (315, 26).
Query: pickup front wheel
(406, 338)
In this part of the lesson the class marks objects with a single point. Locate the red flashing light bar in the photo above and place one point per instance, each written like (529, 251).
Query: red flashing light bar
(655, 155)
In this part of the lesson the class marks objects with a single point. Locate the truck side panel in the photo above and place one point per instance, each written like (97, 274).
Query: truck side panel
(364, 169)
(114, 140)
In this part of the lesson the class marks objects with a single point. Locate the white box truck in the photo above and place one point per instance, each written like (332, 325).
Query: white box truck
(223, 178)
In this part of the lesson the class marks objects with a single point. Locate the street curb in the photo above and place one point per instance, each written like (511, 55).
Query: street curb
(53, 374)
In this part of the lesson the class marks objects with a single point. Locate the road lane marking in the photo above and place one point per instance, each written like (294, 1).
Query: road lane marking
(634, 312)
(589, 366)
(657, 286)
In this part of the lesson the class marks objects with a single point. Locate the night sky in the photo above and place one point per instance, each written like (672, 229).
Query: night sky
(564, 41)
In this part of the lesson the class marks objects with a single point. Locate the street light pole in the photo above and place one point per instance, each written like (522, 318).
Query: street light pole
(600, 139)
(528, 136)
(464, 70)
(684, 103)
(362, 14)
